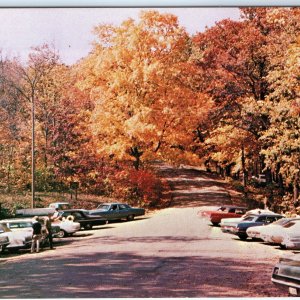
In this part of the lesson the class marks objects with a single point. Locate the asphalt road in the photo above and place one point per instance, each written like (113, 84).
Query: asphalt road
(168, 253)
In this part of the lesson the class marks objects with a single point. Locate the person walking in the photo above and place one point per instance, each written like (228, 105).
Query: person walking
(36, 235)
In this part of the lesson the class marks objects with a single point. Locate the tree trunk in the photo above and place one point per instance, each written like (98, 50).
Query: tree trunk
(134, 151)
(244, 168)
(296, 188)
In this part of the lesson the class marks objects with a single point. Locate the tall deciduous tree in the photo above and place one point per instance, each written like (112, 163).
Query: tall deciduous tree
(235, 63)
(26, 80)
(140, 77)
(282, 139)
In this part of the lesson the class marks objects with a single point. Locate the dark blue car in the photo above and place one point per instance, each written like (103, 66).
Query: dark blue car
(117, 211)
(253, 220)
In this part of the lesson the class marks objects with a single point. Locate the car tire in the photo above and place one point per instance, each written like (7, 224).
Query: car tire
(88, 226)
(242, 237)
(61, 234)
(215, 223)
(130, 218)
(283, 247)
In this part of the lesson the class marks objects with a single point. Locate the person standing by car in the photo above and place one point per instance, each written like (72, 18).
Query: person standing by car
(36, 235)
(49, 230)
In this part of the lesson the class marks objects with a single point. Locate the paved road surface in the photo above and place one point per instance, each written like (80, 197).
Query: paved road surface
(170, 253)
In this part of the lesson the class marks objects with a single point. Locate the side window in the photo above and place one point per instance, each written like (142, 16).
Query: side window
(114, 207)
(270, 220)
(262, 219)
(122, 206)
(231, 210)
(77, 215)
(239, 211)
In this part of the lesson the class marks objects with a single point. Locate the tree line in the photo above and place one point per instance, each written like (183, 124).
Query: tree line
(226, 98)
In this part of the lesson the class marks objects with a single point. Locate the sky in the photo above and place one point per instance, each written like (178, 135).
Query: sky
(70, 29)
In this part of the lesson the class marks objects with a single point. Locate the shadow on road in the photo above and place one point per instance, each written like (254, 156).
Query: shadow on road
(122, 274)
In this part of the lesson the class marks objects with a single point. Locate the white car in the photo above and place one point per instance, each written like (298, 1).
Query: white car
(4, 241)
(17, 239)
(291, 238)
(278, 233)
(67, 227)
(21, 228)
(256, 232)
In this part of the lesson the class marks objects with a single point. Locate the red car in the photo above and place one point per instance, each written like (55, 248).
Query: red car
(223, 212)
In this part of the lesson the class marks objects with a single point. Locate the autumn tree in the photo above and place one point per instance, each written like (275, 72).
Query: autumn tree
(140, 78)
(281, 141)
(14, 140)
(235, 62)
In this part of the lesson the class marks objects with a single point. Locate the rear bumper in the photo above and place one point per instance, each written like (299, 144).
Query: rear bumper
(286, 281)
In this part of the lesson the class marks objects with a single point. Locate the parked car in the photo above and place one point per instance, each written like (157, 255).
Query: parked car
(17, 239)
(117, 211)
(67, 227)
(257, 232)
(277, 235)
(291, 236)
(224, 212)
(82, 216)
(25, 225)
(287, 273)
(32, 212)
(206, 211)
(60, 205)
(228, 223)
(4, 241)
(253, 220)
(261, 179)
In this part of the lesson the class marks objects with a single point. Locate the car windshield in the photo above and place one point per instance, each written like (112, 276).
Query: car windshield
(64, 206)
(4, 228)
(103, 206)
(281, 221)
(222, 208)
(292, 223)
(249, 218)
(15, 225)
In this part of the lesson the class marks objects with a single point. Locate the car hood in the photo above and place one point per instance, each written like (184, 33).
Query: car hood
(290, 257)
(230, 221)
(98, 210)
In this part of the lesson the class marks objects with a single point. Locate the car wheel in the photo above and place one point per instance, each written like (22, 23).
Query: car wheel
(215, 223)
(88, 226)
(130, 218)
(242, 237)
(61, 234)
(283, 247)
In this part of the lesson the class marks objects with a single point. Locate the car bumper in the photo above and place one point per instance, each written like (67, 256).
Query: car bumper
(292, 284)
(24, 245)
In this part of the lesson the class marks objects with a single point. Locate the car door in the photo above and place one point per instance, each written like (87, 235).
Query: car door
(114, 212)
(124, 211)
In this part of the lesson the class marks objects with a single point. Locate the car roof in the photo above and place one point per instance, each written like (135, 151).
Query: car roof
(74, 209)
(112, 203)
(233, 206)
(16, 220)
(265, 214)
